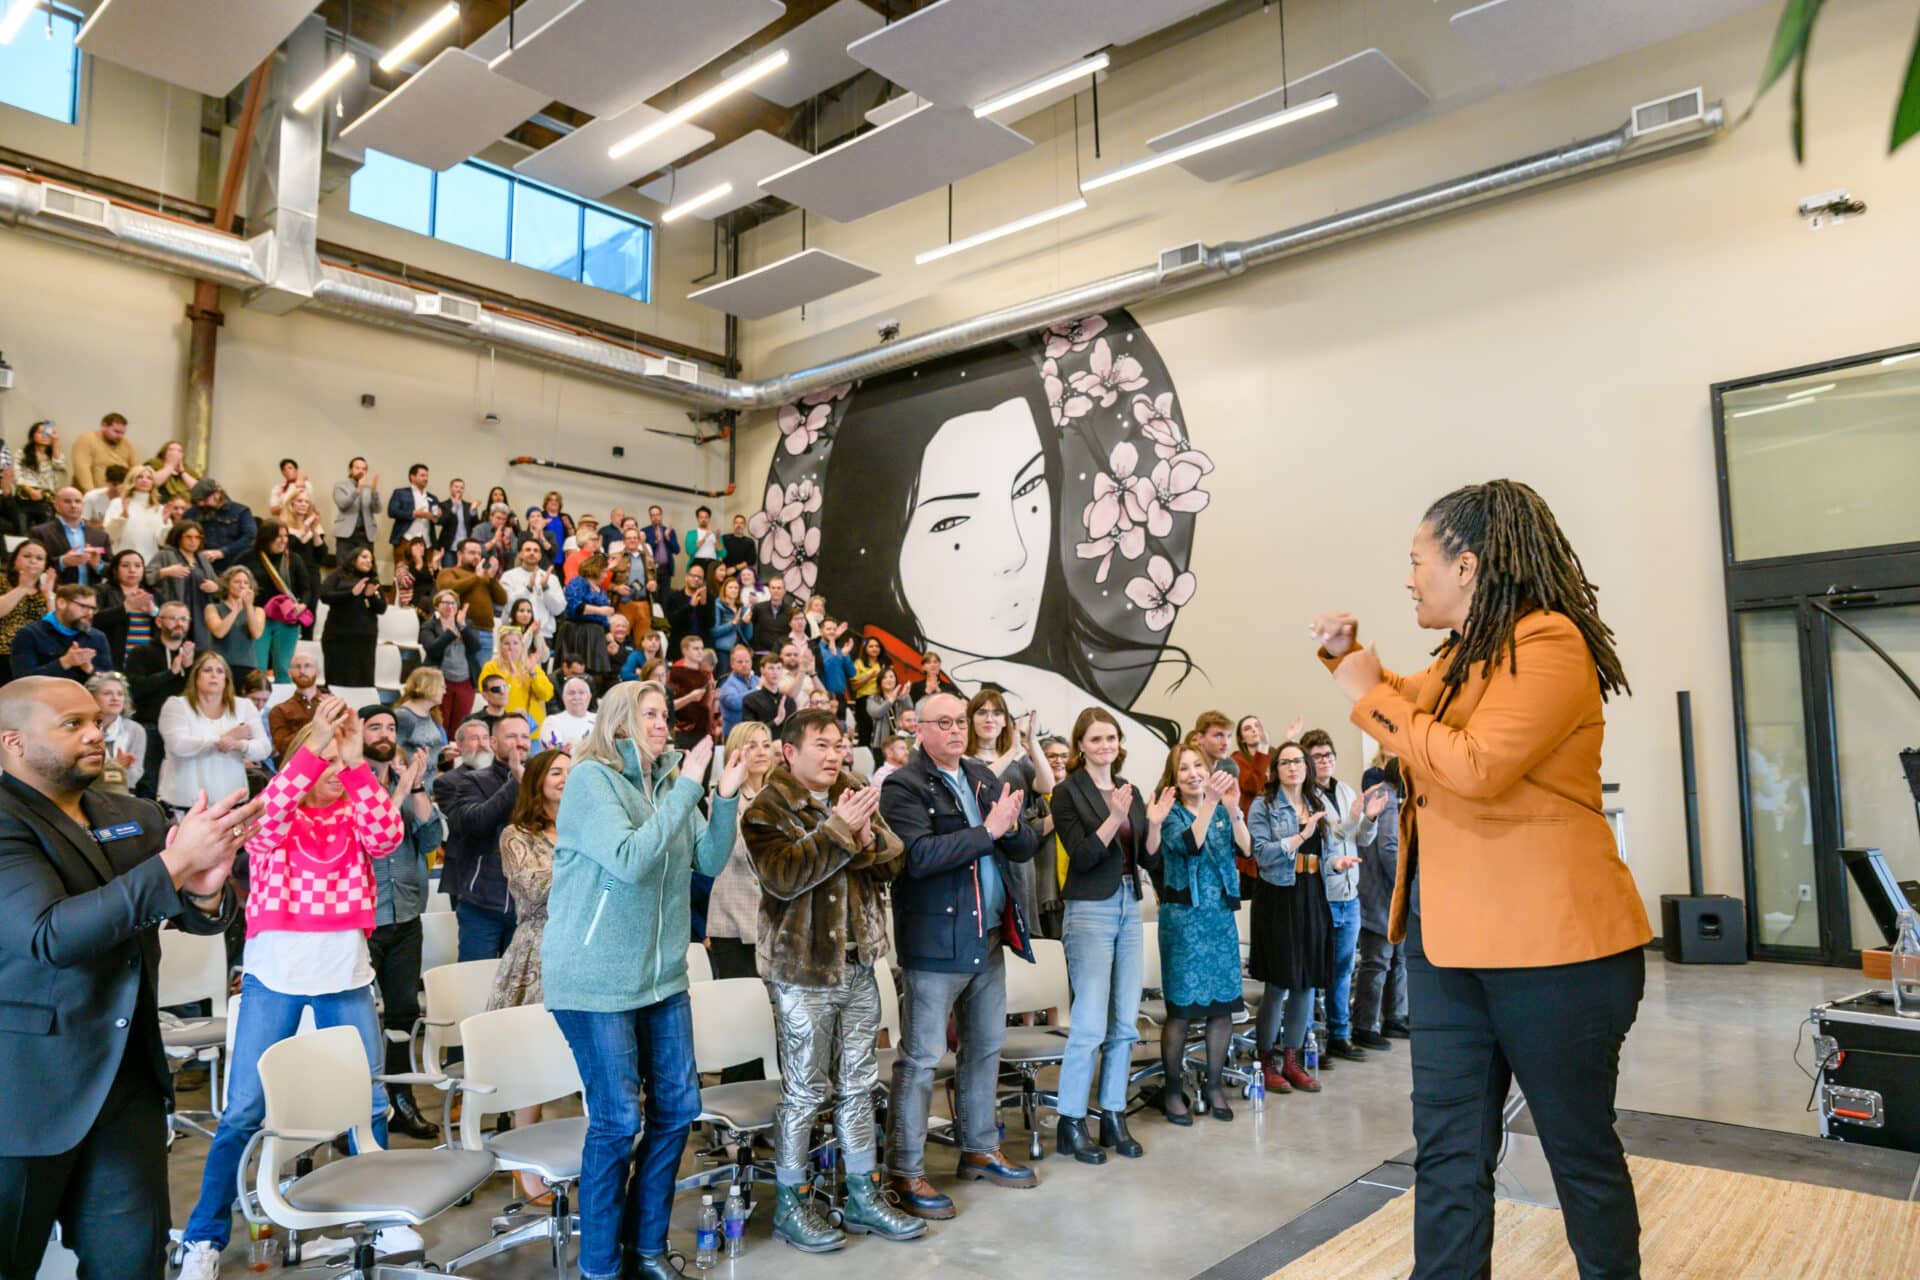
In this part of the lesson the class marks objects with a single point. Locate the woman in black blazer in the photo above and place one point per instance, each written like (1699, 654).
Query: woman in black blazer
(1110, 835)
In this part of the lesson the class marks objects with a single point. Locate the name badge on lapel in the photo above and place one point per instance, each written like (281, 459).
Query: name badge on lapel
(119, 831)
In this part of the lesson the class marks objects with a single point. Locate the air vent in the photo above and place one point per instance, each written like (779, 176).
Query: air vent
(1186, 255)
(1681, 108)
(75, 206)
(447, 306)
(668, 367)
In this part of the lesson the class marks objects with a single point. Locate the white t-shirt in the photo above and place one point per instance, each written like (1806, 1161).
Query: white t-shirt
(420, 526)
(565, 729)
(309, 964)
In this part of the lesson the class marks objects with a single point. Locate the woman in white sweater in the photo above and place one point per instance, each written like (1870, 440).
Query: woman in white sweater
(209, 736)
(136, 520)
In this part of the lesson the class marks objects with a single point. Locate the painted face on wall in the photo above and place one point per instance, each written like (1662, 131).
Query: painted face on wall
(974, 559)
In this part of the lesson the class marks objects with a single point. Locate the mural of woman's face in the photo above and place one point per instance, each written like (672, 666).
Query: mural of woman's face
(974, 560)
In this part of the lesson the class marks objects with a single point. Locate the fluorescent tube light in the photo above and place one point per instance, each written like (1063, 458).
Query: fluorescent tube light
(1005, 229)
(1902, 358)
(1325, 102)
(332, 76)
(1034, 88)
(750, 74)
(446, 17)
(1772, 408)
(1812, 391)
(16, 18)
(700, 201)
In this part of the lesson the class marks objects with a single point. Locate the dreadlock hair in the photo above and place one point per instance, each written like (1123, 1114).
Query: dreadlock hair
(1526, 563)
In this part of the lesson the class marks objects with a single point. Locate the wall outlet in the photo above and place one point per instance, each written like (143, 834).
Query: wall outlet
(1806, 893)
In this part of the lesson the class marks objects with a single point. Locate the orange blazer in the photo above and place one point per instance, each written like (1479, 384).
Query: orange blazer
(1518, 866)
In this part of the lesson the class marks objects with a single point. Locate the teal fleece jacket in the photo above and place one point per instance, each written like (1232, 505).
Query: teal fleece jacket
(619, 919)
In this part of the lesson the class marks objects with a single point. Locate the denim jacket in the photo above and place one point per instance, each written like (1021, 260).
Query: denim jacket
(401, 877)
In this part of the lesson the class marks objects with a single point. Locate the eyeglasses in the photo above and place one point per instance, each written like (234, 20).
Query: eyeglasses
(1320, 757)
(1294, 763)
(947, 724)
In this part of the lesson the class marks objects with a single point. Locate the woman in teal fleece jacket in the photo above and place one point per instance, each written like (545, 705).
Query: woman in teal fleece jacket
(614, 962)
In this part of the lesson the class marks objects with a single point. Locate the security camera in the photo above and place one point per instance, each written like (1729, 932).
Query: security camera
(888, 330)
(1831, 206)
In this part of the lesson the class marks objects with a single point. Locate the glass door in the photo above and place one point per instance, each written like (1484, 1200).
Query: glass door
(1783, 889)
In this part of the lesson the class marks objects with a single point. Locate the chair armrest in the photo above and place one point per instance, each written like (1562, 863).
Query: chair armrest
(309, 1137)
(420, 1024)
(436, 1079)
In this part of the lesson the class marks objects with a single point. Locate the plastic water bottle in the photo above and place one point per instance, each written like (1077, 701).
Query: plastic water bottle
(1257, 1089)
(736, 1222)
(1905, 963)
(1311, 1052)
(706, 1238)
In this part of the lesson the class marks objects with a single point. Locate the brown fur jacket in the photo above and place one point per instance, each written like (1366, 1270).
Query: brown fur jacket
(820, 894)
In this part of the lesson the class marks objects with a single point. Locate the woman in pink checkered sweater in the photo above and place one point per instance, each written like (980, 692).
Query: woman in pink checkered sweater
(310, 904)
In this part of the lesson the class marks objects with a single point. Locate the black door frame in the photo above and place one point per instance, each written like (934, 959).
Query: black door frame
(1858, 577)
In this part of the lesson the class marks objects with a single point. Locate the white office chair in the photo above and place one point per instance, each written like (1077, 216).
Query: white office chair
(387, 666)
(307, 1027)
(439, 935)
(439, 902)
(401, 628)
(1030, 1050)
(521, 1056)
(320, 612)
(453, 993)
(733, 1024)
(193, 967)
(699, 963)
(316, 1087)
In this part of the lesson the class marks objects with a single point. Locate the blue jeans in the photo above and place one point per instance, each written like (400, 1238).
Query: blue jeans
(616, 1053)
(266, 1018)
(484, 933)
(1103, 965)
(486, 648)
(1346, 939)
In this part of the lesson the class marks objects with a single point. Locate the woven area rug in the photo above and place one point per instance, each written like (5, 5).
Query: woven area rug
(1695, 1224)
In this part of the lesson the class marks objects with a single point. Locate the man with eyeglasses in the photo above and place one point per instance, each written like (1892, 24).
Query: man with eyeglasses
(961, 828)
(64, 642)
(1349, 823)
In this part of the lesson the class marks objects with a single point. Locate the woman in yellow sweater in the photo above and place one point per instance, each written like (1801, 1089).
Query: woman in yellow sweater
(528, 688)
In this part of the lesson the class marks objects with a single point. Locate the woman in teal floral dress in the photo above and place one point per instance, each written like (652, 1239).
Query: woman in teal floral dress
(1199, 942)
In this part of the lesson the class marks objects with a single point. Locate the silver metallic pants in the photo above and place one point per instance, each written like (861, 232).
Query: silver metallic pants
(828, 1038)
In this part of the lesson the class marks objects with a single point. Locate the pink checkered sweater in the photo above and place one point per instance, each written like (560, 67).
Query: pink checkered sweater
(309, 866)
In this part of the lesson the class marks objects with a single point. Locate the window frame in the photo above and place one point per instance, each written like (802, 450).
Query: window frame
(79, 20)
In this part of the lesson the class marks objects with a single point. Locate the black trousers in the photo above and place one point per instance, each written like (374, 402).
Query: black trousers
(1558, 1031)
(394, 951)
(109, 1194)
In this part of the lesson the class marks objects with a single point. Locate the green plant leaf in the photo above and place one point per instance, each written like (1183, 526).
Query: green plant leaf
(1799, 102)
(1789, 45)
(1906, 116)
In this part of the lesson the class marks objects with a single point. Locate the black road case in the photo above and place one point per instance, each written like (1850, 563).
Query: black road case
(1868, 1059)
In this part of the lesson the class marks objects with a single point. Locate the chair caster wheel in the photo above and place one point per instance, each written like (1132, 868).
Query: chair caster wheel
(836, 1218)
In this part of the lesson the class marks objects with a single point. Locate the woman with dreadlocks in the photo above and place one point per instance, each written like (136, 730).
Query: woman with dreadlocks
(1523, 927)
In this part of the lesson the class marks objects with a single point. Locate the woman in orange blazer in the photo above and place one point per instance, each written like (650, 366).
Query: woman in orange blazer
(1523, 927)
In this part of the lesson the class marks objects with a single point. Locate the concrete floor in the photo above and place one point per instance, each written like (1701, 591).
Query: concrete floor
(1713, 1043)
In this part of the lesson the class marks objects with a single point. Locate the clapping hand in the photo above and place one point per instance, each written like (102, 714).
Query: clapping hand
(77, 657)
(1120, 801)
(50, 582)
(1005, 812)
(1346, 862)
(329, 714)
(1295, 729)
(1161, 806)
(1310, 823)
(732, 775)
(697, 760)
(200, 849)
(1335, 632)
(1221, 786)
(414, 770)
(1376, 799)
(856, 807)
(349, 738)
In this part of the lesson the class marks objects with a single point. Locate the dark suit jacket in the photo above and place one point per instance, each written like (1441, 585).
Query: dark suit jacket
(1094, 869)
(764, 705)
(77, 940)
(151, 681)
(770, 624)
(53, 536)
(447, 537)
(400, 511)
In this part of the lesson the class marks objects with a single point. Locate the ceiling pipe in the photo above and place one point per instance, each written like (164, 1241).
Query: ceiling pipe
(371, 298)
(152, 239)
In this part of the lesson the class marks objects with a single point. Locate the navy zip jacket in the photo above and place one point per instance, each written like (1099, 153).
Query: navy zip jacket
(936, 899)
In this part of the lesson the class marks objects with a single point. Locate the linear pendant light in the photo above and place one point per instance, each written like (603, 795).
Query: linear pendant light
(1034, 88)
(994, 233)
(700, 201)
(332, 76)
(16, 18)
(1326, 102)
(700, 102)
(446, 17)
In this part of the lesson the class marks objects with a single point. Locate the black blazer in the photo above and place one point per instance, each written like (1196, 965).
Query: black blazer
(447, 538)
(936, 901)
(1094, 869)
(77, 940)
(52, 537)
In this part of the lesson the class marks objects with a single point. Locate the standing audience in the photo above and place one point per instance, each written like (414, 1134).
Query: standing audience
(477, 799)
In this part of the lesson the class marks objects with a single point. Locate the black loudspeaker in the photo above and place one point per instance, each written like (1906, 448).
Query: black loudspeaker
(1703, 928)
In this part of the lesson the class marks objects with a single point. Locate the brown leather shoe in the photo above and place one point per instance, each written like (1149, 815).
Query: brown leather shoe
(992, 1166)
(919, 1197)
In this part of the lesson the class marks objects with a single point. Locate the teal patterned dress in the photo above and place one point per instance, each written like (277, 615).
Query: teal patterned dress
(1199, 943)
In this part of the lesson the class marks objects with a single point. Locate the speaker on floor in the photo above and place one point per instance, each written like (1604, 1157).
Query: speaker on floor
(1704, 928)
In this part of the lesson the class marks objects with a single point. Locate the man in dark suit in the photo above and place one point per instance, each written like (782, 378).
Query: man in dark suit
(772, 616)
(75, 548)
(415, 512)
(459, 519)
(86, 878)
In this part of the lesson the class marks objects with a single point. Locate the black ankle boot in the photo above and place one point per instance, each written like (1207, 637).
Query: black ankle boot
(406, 1118)
(1073, 1141)
(1113, 1133)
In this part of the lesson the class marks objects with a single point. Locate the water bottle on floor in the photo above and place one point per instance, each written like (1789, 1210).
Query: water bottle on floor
(1257, 1090)
(1311, 1054)
(736, 1222)
(1905, 963)
(706, 1237)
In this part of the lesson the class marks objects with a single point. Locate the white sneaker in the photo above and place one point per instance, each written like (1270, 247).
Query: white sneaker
(398, 1240)
(200, 1262)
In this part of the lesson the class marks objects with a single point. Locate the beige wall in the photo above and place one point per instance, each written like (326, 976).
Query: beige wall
(1566, 338)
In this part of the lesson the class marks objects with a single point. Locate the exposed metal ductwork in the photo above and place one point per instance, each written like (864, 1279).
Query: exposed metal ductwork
(92, 219)
(340, 290)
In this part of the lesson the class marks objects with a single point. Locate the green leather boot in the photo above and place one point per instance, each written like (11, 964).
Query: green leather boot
(868, 1212)
(796, 1221)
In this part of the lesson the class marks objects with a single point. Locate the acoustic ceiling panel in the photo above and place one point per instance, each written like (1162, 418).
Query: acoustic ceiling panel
(959, 53)
(604, 56)
(817, 53)
(1374, 94)
(1526, 40)
(779, 286)
(924, 149)
(446, 111)
(208, 46)
(523, 19)
(742, 162)
(579, 163)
